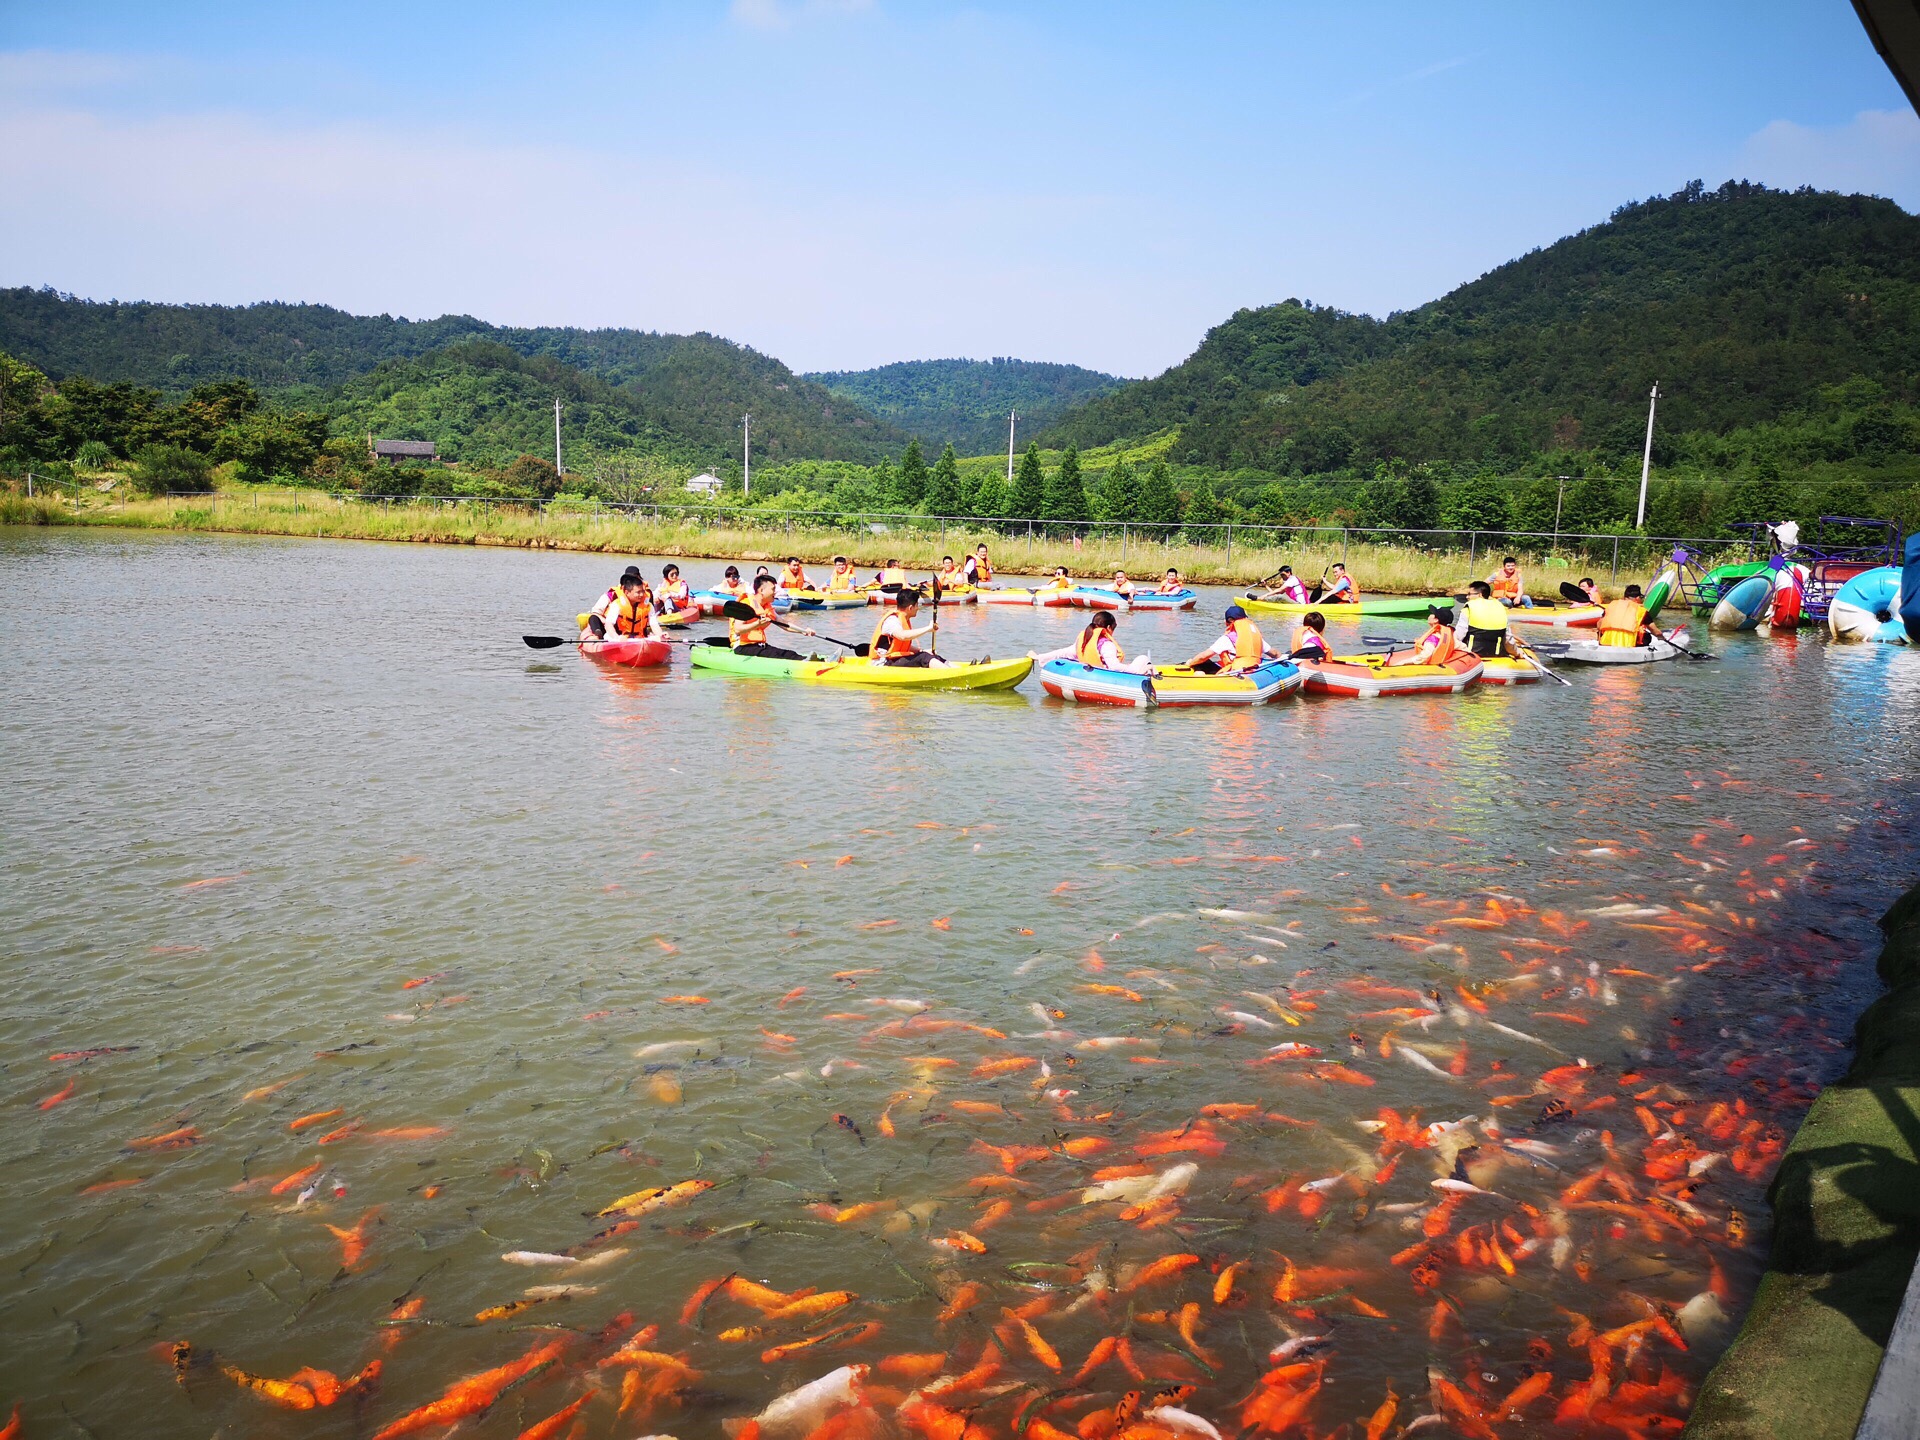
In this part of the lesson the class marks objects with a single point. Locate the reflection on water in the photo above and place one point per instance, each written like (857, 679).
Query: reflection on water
(1096, 1054)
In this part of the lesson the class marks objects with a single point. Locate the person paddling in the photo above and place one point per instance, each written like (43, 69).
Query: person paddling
(892, 577)
(1290, 590)
(1097, 647)
(893, 637)
(1437, 646)
(1483, 624)
(749, 637)
(1592, 591)
(1342, 590)
(1623, 623)
(1237, 651)
(948, 573)
(627, 610)
(1310, 638)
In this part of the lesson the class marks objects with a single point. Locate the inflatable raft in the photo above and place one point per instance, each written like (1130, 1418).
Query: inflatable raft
(1154, 600)
(1744, 604)
(1093, 597)
(864, 674)
(638, 654)
(1561, 616)
(1173, 687)
(1012, 596)
(1867, 607)
(1505, 670)
(1365, 676)
(712, 602)
(826, 599)
(1592, 652)
(673, 619)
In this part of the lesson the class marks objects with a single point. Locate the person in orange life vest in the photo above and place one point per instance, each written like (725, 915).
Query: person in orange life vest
(749, 637)
(891, 577)
(674, 594)
(1170, 583)
(1437, 646)
(893, 637)
(794, 577)
(1098, 647)
(1290, 590)
(1310, 638)
(949, 573)
(1342, 591)
(1509, 587)
(841, 580)
(1590, 590)
(1059, 580)
(1624, 621)
(1239, 650)
(978, 570)
(627, 611)
(1122, 585)
(730, 585)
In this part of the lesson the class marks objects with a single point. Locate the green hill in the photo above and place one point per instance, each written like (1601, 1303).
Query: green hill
(967, 401)
(1744, 303)
(691, 390)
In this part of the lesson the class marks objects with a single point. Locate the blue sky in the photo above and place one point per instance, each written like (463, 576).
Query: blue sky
(842, 183)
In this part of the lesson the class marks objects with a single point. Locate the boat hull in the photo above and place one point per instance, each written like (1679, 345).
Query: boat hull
(1365, 677)
(634, 654)
(1175, 687)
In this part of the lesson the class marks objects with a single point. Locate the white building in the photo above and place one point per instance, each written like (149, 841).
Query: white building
(704, 484)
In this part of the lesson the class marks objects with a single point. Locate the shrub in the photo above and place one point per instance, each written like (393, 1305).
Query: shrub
(160, 468)
(94, 455)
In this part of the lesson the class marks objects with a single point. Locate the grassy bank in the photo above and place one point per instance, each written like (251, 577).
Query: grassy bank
(1846, 1230)
(1380, 568)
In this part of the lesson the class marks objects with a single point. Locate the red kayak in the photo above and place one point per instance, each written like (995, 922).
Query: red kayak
(636, 653)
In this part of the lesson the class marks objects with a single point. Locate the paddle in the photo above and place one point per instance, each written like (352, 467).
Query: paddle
(554, 642)
(1653, 634)
(1573, 594)
(740, 610)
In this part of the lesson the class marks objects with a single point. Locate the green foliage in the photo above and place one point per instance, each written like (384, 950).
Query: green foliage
(1064, 495)
(94, 455)
(270, 445)
(910, 481)
(1119, 493)
(967, 401)
(1159, 501)
(1478, 502)
(991, 500)
(945, 494)
(158, 469)
(533, 474)
(1029, 497)
(1203, 509)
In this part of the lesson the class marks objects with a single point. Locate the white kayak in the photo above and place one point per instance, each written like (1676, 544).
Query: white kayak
(1592, 652)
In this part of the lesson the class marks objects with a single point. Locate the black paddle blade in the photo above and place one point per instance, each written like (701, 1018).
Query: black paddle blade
(544, 642)
(739, 610)
(1573, 594)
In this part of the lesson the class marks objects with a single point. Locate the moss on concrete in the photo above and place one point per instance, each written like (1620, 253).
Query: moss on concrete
(1846, 1212)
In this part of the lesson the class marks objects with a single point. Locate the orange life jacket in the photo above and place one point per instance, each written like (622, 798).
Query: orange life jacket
(749, 632)
(676, 596)
(792, 579)
(886, 643)
(1443, 646)
(1248, 646)
(982, 571)
(1620, 623)
(629, 619)
(1305, 639)
(1505, 587)
(1348, 596)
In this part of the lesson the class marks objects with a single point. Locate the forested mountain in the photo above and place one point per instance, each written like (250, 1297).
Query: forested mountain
(967, 401)
(692, 388)
(1742, 302)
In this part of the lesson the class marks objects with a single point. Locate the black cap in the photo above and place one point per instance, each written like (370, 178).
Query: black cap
(1442, 613)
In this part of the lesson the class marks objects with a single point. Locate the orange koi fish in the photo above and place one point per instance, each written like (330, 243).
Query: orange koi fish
(642, 1202)
(180, 1139)
(474, 1394)
(354, 1243)
(395, 1328)
(551, 1427)
(261, 1092)
(62, 1056)
(295, 1180)
(57, 1096)
(1163, 1268)
(834, 1339)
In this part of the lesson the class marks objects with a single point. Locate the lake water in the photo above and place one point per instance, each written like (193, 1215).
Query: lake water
(306, 815)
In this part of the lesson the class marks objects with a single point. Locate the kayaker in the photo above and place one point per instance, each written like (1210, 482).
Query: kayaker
(1237, 651)
(627, 610)
(891, 577)
(749, 637)
(1290, 590)
(1122, 585)
(674, 594)
(1098, 647)
(1483, 623)
(1623, 623)
(730, 584)
(592, 628)
(893, 637)
(1341, 590)
(1171, 583)
(841, 581)
(1437, 646)
(978, 570)
(1508, 586)
(949, 573)
(1310, 638)
(794, 577)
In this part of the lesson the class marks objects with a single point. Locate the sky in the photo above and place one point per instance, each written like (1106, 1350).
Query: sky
(845, 183)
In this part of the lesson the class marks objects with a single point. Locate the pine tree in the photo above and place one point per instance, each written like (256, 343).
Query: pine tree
(1159, 501)
(991, 499)
(1120, 493)
(1028, 500)
(883, 489)
(1202, 512)
(1066, 492)
(910, 482)
(944, 493)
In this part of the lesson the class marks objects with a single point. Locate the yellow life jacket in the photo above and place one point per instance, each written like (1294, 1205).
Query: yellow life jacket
(1620, 623)
(1087, 650)
(840, 580)
(1486, 615)
(1248, 645)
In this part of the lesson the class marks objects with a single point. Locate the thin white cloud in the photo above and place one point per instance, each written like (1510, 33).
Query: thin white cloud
(1875, 153)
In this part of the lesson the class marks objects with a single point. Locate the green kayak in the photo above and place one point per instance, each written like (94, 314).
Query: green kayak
(966, 675)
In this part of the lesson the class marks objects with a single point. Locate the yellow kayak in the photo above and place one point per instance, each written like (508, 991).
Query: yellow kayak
(1377, 605)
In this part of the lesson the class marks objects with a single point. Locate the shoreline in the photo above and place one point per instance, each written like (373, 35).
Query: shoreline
(1846, 1235)
(1379, 569)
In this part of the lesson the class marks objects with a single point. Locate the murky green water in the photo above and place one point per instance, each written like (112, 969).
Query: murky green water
(255, 788)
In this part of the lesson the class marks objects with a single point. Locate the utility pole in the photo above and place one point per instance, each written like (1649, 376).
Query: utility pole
(746, 456)
(1646, 459)
(1559, 499)
(1010, 416)
(558, 463)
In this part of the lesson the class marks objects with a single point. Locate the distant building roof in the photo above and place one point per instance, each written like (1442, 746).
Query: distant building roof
(704, 482)
(421, 449)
